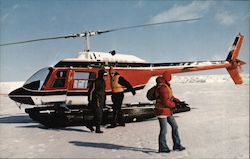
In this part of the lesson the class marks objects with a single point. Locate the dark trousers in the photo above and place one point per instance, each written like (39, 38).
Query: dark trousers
(117, 99)
(98, 112)
(97, 106)
(163, 131)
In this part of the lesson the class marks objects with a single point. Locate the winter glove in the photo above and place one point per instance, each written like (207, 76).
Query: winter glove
(176, 100)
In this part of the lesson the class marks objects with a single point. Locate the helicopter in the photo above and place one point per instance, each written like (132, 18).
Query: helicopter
(58, 94)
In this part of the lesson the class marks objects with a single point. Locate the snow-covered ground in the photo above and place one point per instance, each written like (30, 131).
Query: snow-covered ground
(216, 127)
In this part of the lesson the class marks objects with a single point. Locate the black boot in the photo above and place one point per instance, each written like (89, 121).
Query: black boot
(164, 151)
(179, 148)
(112, 126)
(89, 125)
(98, 129)
(90, 128)
(121, 124)
(114, 119)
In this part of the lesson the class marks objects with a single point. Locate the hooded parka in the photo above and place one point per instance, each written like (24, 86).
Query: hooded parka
(164, 103)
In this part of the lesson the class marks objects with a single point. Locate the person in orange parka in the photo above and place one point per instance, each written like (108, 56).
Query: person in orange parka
(163, 110)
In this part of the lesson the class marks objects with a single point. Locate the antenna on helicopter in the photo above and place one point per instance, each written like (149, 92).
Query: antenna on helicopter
(88, 34)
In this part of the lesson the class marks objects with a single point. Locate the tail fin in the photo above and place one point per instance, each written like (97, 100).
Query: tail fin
(234, 68)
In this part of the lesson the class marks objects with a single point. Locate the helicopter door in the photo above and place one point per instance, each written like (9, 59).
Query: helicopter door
(57, 86)
(77, 93)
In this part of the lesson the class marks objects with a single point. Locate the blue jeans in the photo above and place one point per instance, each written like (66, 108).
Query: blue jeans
(163, 131)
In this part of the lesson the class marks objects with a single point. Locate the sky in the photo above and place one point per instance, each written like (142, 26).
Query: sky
(207, 39)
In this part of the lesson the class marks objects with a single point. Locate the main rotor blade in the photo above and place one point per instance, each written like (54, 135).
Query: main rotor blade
(84, 34)
(145, 25)
(51, 38)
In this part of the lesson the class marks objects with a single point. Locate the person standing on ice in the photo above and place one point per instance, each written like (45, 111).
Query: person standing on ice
(163, 110)
(97, 99)
(118, 83)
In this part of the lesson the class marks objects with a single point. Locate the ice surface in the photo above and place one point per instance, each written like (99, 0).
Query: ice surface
(216, 127)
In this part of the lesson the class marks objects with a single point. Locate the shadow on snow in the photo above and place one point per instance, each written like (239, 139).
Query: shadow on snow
(16, 119)
(25, 119)
(112, 146)
(53, 129)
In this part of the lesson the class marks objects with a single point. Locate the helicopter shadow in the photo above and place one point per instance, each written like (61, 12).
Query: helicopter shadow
(69, 129)
(25, 119)
(112, 146)
(16, 119)
(40, 126)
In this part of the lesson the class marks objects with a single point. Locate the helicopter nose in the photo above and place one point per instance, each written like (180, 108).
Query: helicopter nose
(20, 95)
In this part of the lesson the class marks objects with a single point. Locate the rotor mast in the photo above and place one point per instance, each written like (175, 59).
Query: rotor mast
(87, 49)
(87, 36)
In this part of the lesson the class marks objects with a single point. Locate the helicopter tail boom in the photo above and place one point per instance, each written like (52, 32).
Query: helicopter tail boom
(232, 64)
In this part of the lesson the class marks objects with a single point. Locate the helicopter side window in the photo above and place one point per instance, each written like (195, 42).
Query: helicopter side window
(82, 80)
(60, 79)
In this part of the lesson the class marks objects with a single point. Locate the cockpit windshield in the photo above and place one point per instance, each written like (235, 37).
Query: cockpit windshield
(36, 81)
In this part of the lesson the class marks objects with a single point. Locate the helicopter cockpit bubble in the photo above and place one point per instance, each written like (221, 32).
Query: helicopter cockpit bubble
(36, 81)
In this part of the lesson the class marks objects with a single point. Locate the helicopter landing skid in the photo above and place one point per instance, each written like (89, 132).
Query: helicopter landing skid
(77, 115)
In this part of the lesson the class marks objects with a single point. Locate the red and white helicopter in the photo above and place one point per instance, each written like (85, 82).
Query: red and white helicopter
(59, 93)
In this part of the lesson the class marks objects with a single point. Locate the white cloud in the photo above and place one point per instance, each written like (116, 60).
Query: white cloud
(193, 10)
(224, 18)
(4, 17)
(53, 18)
(15, 6)
(7, 14)
(139, 4)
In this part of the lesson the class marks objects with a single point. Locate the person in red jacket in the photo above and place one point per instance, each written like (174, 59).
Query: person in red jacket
(163, 110)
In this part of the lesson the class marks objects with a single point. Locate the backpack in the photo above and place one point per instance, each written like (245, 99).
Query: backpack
(151, 93)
